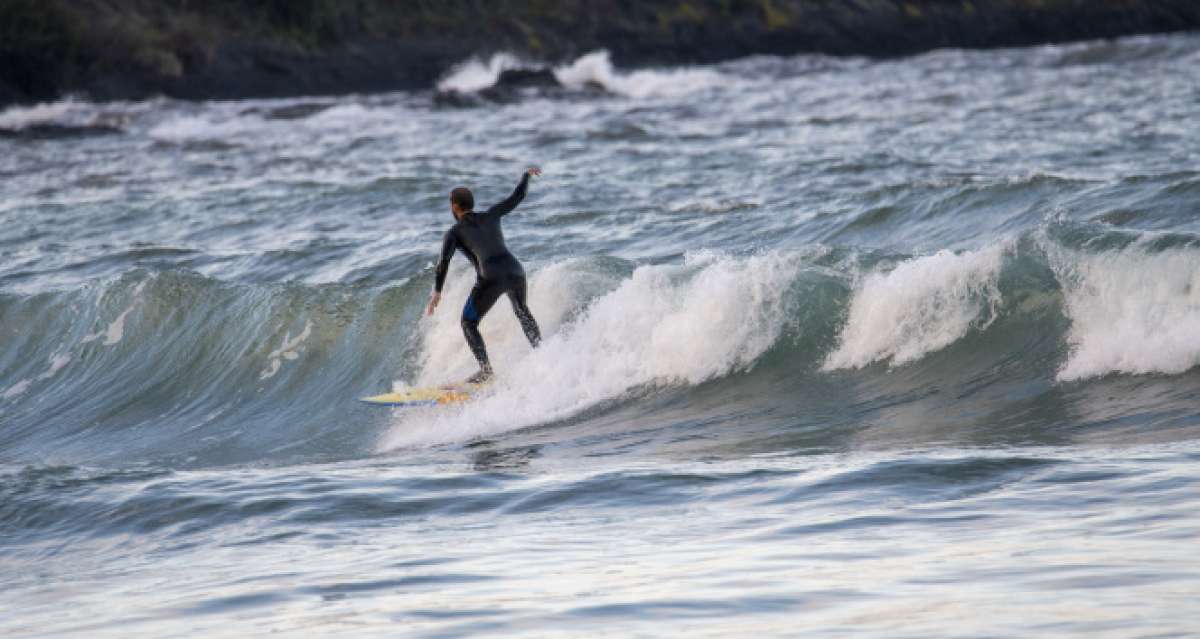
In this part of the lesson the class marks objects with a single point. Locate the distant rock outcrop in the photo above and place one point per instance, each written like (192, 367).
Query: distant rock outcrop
(510, 85)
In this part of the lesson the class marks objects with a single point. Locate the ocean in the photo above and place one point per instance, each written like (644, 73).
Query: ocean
(833, 347)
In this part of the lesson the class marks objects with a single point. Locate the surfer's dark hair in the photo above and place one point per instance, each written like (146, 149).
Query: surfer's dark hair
(462, 197)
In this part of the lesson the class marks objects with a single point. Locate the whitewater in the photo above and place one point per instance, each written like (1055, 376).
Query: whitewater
(833, 346)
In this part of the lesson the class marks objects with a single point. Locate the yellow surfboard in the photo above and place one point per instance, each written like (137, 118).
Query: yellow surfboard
(426, 396)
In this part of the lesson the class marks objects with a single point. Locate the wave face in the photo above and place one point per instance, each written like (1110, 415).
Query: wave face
(925, 332)
(163, 366)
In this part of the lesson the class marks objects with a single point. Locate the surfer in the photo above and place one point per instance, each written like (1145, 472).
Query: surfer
(497, 272)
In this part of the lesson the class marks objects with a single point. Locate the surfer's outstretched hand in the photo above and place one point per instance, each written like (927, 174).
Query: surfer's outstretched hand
(533, 171)
(433, 302)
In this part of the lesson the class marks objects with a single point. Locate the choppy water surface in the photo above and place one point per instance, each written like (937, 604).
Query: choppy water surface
(834, 346)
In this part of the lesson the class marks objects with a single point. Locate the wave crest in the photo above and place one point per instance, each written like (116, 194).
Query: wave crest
(662, 324)
(1132, 310)
(174, 365)
(922, 305)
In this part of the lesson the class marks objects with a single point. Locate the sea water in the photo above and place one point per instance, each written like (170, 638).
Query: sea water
(833, 346)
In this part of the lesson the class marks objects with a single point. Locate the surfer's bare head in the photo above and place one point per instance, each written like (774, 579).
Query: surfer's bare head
(461, 201)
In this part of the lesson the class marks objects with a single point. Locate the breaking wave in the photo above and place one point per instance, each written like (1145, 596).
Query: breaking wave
(593, 70)
(175, 365)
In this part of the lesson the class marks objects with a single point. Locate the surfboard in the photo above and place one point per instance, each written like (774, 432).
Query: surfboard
(441, 395)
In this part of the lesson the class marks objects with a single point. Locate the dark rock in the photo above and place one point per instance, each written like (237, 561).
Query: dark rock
(456, 99)
(58, 131)
(290, 112)
(526, 78)
(512, 83)
(296, 111)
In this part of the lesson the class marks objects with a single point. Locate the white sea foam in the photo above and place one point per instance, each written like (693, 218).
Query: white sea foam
(666, 324)
(17, 118)
(922, 305)
(596, 68)
(593, 69)
(18, 389)
(250, 127)
(1131, 311)
(288, 350)
(347, 116)
(190, 128)
(71, 112)
(58, 361)
(475, 74)
(115, 331)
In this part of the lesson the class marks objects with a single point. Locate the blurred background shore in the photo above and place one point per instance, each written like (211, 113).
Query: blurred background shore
(133, 49)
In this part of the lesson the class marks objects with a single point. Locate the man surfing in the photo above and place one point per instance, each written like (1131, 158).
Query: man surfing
(497, 272)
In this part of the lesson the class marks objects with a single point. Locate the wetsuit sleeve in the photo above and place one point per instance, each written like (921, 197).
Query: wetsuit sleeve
(449, 245)
(513, 200)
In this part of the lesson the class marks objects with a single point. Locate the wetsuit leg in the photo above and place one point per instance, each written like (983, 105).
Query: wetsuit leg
(516, 294)
(481, 300)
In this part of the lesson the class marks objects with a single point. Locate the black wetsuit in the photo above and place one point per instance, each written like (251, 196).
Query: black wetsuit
(497, 272)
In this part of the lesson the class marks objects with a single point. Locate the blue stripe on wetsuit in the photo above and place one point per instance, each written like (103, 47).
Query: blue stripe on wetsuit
(469, 312)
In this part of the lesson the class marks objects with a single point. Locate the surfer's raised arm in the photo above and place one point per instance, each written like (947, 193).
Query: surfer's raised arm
(518, 194)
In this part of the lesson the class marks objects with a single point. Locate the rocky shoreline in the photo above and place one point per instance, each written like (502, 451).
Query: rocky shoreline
(226, 49)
